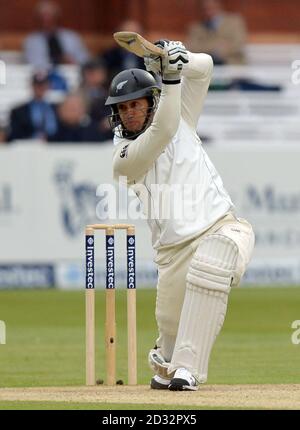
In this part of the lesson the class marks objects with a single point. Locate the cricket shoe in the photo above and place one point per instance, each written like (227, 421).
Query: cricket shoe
(159, 383)
(183, 380)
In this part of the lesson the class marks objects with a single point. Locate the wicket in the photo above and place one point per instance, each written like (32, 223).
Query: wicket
(110, 318)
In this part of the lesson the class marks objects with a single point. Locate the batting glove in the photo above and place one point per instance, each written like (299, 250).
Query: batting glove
(176, 57)
(153, 63)
(171, 64)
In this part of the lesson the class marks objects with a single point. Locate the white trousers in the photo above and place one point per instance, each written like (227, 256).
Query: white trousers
(173, 264)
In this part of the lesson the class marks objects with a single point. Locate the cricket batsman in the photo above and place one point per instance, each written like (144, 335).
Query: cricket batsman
(199, 260)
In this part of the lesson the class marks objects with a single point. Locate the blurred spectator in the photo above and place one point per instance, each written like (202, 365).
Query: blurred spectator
(74, 125)
(222, 35)
(57, 82)
(93, 87)
(37, 118)
(117, 58)
(94, 91)
(52, 45)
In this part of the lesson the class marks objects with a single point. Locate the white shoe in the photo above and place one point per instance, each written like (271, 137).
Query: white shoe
(159, 383)
(183, 380)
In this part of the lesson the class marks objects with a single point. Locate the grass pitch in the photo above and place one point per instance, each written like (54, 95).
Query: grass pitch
(45, 339)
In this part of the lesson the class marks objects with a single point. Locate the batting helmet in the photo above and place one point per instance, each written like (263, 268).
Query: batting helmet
(130, 85)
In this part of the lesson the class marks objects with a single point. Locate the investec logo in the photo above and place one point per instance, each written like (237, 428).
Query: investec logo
(2, 73)
(90, 262)
(110, 281)
(131, 262)
(2, 333)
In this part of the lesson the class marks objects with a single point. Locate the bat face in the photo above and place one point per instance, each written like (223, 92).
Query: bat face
(136, 44)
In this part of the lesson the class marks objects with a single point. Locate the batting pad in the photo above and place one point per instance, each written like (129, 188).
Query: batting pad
(209, 280)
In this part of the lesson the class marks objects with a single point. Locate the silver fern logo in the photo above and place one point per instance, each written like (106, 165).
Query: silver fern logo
(121, 85)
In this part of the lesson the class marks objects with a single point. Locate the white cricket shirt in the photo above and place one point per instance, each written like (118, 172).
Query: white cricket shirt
(179, 188)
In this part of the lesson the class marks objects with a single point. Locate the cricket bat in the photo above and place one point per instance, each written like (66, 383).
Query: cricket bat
(136, 44)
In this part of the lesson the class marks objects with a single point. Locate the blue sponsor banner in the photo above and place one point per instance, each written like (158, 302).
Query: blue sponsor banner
(27, 276)
(270, 272)
(89, 262)
(131, 262)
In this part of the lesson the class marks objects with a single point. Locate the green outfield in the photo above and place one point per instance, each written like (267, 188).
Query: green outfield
(45, 339)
